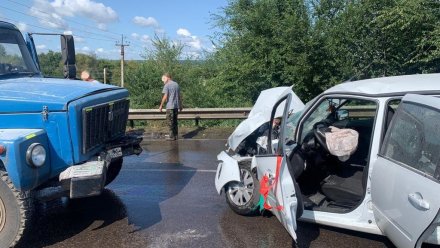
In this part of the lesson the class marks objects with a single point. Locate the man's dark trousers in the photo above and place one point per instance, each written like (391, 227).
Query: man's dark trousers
(172, 122)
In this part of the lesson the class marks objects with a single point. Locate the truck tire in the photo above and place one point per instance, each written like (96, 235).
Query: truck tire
(243, 197)
(15, 212)
(113, 171)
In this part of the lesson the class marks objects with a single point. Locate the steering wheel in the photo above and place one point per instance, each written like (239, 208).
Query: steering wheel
(319, 130)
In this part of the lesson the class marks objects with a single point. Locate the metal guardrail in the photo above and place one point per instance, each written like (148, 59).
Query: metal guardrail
(198, 114)
(190, 114)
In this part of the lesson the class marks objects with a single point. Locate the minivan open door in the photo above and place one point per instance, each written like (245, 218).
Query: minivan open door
(406, 176)
(272, 168)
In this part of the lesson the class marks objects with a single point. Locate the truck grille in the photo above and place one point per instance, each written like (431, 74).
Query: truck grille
(103, 123)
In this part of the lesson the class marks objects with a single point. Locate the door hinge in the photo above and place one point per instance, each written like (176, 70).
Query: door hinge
(45, 113)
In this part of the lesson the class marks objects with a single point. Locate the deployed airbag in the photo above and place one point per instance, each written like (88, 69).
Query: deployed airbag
(342, 142)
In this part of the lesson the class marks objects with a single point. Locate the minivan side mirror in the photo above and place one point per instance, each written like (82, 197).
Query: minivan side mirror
(68, 56)
(342, 114)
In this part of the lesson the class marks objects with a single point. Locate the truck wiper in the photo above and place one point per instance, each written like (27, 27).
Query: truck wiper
(20, 73)
(30, 74)
(25, 73)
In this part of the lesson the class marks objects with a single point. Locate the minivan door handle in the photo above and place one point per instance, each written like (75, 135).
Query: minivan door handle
(416, 199)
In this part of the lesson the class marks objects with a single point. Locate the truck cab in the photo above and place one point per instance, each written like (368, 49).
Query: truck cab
(58, 137)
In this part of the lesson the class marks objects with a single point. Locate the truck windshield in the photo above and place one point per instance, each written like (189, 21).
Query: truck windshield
(15, 59)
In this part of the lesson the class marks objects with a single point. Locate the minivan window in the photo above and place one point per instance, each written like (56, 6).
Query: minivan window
(413, 138)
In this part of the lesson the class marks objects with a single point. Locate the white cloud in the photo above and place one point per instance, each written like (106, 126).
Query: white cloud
(86, 8)
(193, 55)
(195, 43)
(85, 49)
(52, 13)
(41, 47)
(68, 32)
(145, 38)
(183, 32)
(145, 22)
(47, 15)
(22, 26)
(159, 31)
(79, 39)
(102, 26)
(100, 50)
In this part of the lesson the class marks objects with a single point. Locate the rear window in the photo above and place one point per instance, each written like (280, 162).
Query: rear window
(413, 138)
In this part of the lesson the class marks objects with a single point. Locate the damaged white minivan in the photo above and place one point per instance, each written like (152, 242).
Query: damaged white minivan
(363, 155)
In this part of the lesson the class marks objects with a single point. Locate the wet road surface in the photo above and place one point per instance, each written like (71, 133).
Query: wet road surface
(166, 198)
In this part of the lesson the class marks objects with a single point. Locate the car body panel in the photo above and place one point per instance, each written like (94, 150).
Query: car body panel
(397, 85)
(49, 111)
(261, 112)
(75, 118)
(282, 194)
(362, 217)
(405, 200)
(16, 141)
(27, 95)
(32, 49)
(227, 171)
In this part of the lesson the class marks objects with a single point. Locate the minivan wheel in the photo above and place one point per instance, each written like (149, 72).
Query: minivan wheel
(15, 212)
(242, 197)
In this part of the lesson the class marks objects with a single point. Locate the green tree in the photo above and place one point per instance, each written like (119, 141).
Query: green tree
(50, 64)
(143, 80)
(263, 45)
(315, 44)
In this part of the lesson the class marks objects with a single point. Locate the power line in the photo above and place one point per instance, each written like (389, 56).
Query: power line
(53, 30)
(45, 19)
(41, 11)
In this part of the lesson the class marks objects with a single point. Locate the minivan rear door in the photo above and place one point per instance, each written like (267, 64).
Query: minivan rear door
(405, 180)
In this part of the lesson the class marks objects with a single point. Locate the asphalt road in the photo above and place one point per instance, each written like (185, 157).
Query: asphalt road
(166, 198)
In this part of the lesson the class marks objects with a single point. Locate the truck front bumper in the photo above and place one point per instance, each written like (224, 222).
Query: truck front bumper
(88, 179)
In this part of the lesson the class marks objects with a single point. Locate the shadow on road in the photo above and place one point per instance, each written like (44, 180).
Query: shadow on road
(143, 189)
(61, 219)
(193, 133)
(130, 204)
(252, 231)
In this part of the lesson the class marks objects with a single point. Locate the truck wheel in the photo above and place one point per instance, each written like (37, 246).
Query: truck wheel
(113, 171)
(243, 196)
(15, 212)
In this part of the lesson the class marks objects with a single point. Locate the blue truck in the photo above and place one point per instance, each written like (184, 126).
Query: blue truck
(58, 137)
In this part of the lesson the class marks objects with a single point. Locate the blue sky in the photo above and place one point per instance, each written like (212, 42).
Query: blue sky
(98, 25)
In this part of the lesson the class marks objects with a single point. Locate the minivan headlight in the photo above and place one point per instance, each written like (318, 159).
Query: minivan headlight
(36, 155)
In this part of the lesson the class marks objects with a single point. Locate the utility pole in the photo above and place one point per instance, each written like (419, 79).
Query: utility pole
(122, 45)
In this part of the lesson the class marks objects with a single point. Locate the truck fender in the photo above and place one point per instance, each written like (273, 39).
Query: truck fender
(227, 171)
(17, 141)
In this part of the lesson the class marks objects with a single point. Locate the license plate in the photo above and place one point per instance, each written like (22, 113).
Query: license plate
(115, 153)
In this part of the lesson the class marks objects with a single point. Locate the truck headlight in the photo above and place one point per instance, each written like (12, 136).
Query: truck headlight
(36, 155)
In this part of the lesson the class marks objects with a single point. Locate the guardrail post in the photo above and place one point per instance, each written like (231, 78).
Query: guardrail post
(197, 120)
(132, 123)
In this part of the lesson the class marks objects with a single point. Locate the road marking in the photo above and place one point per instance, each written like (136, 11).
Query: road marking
(170, 170)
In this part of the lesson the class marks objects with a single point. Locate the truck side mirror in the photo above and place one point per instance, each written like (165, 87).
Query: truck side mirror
(68, 56)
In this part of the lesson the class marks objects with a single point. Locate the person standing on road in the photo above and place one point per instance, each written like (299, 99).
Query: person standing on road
(171, 95)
